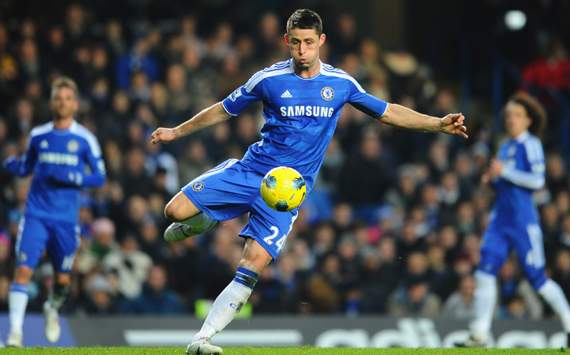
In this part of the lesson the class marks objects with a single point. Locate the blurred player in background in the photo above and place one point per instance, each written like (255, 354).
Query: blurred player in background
(514, 224)
(302, 98)
(58, 155)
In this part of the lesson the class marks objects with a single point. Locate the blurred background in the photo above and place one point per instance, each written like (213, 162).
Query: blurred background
(394, 224)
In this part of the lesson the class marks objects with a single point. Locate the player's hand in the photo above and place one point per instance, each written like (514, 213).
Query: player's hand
(494, 171)
(65, 177)
(495, 168)
(163, 135)
(453, 124)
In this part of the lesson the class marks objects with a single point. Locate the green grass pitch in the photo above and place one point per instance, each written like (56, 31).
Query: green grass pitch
(279, 351)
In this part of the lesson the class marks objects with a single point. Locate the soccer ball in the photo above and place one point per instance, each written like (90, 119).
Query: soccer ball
(283, 188)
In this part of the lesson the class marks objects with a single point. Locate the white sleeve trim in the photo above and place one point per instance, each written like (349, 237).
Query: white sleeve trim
(341, 74)
(226, 109)
(529, 180)
(89, 137)
(259, 76)
(45, 128)
(534, 151)
(386, 109)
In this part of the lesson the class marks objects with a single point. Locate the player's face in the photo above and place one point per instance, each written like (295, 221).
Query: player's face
(304, 46)
(64, 103)
(516, 119)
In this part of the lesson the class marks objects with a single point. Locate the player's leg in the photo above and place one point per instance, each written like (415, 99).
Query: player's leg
(188, 220)
(232, 298)
(180, 208)
(18, 301)
(188, 208)
(530, 250)
(494, 252)
(62, 247)
(30, 247)
(266, 233)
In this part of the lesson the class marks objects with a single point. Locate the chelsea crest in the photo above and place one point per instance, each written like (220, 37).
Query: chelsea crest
(327, 93)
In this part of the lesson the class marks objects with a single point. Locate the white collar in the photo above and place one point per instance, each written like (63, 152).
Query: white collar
(523, 136)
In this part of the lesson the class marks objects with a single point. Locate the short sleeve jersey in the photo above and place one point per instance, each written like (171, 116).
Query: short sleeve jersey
(300, 114)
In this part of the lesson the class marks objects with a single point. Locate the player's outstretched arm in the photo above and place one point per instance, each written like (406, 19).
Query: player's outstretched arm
(400, 116)
(21, 166)
(207, 117)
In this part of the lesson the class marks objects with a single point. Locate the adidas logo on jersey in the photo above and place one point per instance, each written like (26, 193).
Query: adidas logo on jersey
(286, 95)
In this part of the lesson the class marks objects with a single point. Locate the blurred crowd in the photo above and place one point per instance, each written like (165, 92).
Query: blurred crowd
(394, 223)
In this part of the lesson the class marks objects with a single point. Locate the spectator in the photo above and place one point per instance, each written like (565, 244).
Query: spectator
(139, 60)
(562, 270)
(100, 298)
(130, 265)
(414, 299)
(460, 304)
(322, 289)
(155, 298)
(552, 70)
(364, 177)
(102, 244)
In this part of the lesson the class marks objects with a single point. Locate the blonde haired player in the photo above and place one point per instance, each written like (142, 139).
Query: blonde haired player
(57, 155)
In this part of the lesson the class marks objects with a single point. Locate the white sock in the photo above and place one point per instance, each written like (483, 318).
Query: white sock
(225, 307)
(485, 300)
(553, 294)
(17, 300)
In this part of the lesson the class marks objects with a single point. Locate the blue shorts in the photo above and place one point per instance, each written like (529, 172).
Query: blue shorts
(36, 235)
(526, 240)
(232, 189)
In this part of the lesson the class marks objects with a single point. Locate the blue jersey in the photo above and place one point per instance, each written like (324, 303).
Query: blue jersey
(514, 223)
(62, 161)
(300, 115)
(523, 172)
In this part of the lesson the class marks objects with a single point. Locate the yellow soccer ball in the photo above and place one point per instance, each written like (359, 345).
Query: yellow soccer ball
(283, 188)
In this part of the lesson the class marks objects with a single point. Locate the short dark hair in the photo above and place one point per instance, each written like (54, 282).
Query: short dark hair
(305, 19)
(534, 110)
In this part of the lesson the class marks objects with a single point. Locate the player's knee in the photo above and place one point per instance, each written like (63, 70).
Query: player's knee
(63, 279)
(23, 275)
(169, 211)
(172, 211)
(490, 262)
(180, 208)
(536, 278)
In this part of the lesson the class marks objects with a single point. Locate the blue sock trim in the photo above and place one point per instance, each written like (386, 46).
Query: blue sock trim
(246, 277)
(14, 287)
(247, 272)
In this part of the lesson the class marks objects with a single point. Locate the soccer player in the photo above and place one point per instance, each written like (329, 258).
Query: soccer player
(58, 154)
(302, 98)
(517, 171)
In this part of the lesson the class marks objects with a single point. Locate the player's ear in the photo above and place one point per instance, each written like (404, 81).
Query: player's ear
(322, 39)
(286, 38)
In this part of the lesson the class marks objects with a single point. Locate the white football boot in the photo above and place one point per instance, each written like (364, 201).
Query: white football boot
(195, 225)
(203, 347)
(52, 329)
(14, 340)
(472, 342)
